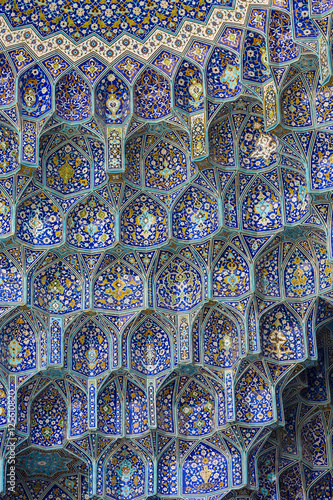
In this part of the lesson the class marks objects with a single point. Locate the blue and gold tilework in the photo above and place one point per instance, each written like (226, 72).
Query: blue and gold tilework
(166, 249)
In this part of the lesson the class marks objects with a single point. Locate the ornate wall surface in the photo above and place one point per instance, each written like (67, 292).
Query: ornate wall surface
(166, 293)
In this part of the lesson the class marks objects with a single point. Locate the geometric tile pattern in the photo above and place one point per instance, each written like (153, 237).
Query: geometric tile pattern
(166, 250)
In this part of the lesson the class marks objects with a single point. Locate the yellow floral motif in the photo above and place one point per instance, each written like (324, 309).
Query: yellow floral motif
(145, 220)
(226, 343)
(119, 288)
(277, 338)
(299, 280)
(230, 274)
(66, 170)
(206, 473)
(195, 90)
(55, 287)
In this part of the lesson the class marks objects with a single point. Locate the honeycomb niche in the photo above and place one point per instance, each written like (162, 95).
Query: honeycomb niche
(166, 250)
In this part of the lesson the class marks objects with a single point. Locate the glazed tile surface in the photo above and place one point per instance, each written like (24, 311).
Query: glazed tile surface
(166, 249)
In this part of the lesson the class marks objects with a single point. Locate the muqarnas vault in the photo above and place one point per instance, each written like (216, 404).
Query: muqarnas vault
(166, 294)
